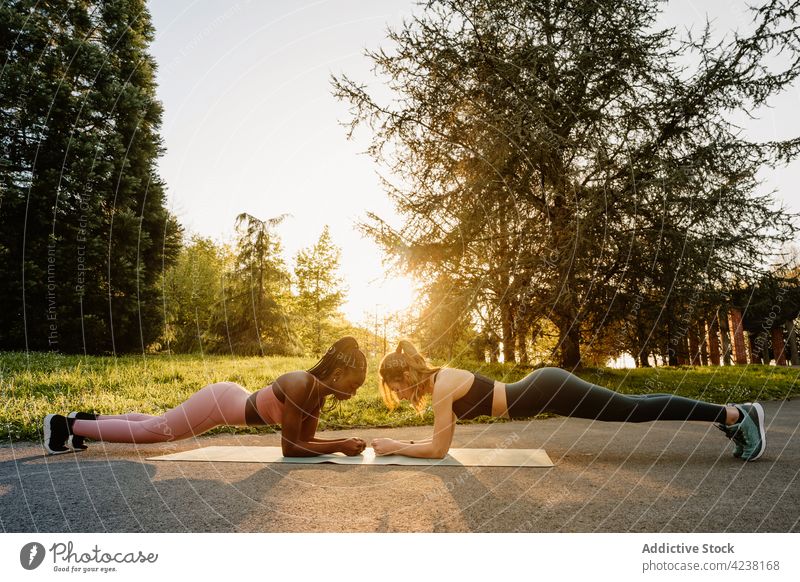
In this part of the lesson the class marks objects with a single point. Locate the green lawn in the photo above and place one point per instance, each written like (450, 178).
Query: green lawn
(36, 384)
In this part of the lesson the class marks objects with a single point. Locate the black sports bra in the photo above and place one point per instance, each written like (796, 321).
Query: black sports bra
(478, 399)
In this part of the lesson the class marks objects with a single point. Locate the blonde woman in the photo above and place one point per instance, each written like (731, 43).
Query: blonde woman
(460, 394)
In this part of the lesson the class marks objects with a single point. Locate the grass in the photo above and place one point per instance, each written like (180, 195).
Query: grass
(35, 384)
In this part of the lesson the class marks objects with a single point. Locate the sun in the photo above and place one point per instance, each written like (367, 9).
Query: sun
(381, 297)
(398, 293)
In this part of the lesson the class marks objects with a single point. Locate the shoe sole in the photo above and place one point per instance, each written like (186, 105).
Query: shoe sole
(47, 433)
(69, 440)
(760, 414)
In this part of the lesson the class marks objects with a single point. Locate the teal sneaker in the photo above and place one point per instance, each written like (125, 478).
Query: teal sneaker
(736, 435)
(755, 440)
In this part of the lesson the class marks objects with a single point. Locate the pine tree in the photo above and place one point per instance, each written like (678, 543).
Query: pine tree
(85, 233)
(534, 145)
(193, 293)
(320, 293)
(253, 317)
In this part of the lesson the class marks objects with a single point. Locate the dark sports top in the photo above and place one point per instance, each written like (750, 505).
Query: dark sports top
(477, 401)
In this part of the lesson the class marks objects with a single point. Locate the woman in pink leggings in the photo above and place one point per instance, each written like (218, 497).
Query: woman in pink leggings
(293, 401)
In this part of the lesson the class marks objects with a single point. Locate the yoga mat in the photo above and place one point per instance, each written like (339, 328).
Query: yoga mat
(456, 457)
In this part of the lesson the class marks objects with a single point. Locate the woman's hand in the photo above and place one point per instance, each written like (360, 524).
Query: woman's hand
(353, 446)
(384, 446)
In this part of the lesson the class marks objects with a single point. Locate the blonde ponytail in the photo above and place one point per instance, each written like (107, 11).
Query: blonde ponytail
(406, 358)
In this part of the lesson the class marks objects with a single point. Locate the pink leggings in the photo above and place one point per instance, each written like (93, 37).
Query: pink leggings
(213, 405)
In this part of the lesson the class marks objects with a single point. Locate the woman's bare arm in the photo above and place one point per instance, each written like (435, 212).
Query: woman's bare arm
(444, 422)
(309, 429)
(296, 433)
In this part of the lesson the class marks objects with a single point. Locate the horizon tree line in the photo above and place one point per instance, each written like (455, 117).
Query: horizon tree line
(569, 192)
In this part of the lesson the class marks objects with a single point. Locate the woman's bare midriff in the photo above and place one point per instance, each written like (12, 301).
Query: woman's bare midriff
(499, 401)
(268, 405)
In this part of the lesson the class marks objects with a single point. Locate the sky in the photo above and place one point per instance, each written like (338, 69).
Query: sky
(250, 123)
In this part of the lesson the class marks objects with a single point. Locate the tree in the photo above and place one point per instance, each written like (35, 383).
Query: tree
(253, 317)
(85, 233)
(445, 324)
(193, 294)
(534, 145)
(319, 293)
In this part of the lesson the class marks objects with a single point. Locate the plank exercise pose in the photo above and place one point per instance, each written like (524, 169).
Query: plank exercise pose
(293, 401)
(458, 394)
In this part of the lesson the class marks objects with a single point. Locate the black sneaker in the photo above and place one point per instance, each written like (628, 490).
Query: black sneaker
(76, 441)
(56, 433)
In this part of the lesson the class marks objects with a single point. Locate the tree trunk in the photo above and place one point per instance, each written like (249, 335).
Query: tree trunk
(673, 339)
(754, 351)
(713, 342)
(522, 347)
(494, 349)
(739, 349)
(643, 348)
(725, 336)
(672, 353)
(508, 333)
(570, 338)
(778, 346)
(694, 345)
(701, 332)
(682, 351)
(479, 350)
(792, 339)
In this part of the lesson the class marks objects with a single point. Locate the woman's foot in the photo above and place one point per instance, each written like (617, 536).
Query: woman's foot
(752, 426)
(76, 441)
(56, 433)
(737, 436)
(731, 428)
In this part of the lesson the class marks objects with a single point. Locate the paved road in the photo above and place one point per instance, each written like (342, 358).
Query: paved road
(610, 477)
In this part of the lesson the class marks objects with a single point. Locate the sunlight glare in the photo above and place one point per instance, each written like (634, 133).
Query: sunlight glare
(384, 297)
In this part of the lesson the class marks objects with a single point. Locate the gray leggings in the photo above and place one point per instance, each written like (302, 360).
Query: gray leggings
(560, 392)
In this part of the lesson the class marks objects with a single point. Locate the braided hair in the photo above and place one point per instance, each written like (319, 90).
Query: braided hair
(343, 354)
